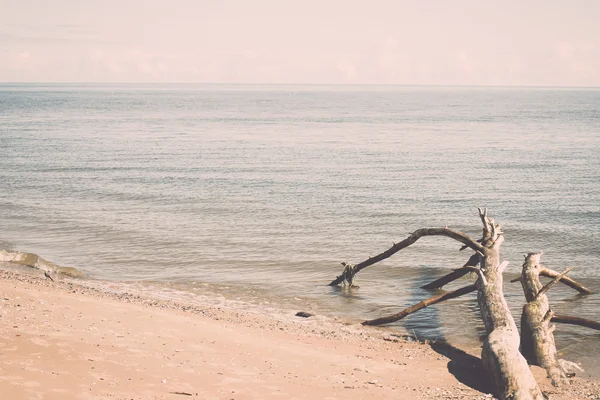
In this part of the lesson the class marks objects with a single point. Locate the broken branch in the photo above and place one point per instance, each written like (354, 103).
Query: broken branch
(458, 273)
(422, 304)
(566, 280)
(565, 319)
(416, 235)
(552, 282)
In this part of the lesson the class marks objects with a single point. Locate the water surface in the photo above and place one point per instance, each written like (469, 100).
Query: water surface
(261, 191)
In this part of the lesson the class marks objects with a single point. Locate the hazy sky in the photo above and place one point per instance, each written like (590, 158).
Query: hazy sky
(461, 42)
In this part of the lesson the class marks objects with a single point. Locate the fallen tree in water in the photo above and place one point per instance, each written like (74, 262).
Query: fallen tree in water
(507, 368)
(537, 337)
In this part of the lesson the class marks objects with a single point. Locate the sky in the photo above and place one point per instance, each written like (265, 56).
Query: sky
(400, 42)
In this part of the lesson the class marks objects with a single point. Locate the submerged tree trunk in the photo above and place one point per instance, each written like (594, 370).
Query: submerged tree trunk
(506, 367)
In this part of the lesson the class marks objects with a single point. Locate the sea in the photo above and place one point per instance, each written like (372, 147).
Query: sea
(253, 195)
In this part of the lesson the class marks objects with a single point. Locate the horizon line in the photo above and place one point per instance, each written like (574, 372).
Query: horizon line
(294, 84)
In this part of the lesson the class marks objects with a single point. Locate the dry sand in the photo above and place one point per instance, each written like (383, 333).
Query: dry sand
(67, 340)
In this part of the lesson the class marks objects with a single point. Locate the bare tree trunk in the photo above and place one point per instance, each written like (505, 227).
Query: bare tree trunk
(537, 339)
(504, 364)
(500, 354)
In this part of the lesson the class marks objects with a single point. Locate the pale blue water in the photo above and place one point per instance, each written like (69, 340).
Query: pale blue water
(263, 190)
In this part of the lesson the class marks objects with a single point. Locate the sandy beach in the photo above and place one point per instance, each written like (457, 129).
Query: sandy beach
(67, 340)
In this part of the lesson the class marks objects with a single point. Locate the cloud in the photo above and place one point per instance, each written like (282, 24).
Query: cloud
(389, 61)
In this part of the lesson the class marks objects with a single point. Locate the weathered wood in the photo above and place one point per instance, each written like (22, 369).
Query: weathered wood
(473, 261)
(457, 273)
(416, 235)
(566, 280)
(500, 354)
(537, 339)
(553, 282)
(420, 305)
(565, 319)
(504, 364)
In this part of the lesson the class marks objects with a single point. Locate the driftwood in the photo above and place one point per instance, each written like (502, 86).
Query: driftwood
(457, 273)
(537, 338)
(543, 271)
(566, 280)
(422, 304)
(565, 319)
(504, 364)
(347, 276)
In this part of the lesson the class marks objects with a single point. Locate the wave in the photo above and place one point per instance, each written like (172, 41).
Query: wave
(35, 261)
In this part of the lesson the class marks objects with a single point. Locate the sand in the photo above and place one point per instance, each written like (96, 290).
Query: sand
(66, 340)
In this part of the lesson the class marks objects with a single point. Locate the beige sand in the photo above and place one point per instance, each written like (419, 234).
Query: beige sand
(61, 340)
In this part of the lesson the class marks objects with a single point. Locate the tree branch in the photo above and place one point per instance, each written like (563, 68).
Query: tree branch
(565, 319)
(566, 280)
(457, 273)
(479, 273)
(552, 283)
(422, 304)
(416, 235)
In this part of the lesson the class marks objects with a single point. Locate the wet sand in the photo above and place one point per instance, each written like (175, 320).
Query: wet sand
(66, 340)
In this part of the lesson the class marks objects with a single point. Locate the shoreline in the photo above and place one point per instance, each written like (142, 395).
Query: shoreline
(70, 340)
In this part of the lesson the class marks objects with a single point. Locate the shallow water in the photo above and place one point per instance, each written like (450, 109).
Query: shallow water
(260, 191)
